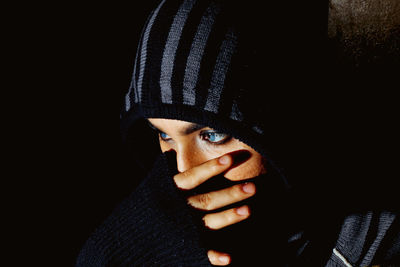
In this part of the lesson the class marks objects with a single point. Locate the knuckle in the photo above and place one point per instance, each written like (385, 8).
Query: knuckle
(213, 166)
(187, 174)
(205, 201)
(185, 179)
(231, 217)
(236, 192)
(177, 180)
(211, 257)
(211, 222)
(206, 221)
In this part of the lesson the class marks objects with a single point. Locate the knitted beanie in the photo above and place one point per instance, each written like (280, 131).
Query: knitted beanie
(207, 62)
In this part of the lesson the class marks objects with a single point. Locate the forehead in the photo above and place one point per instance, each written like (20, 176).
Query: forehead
(175, 126)
(169, 122)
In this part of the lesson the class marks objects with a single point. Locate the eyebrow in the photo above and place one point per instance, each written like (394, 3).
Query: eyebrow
(191, 128)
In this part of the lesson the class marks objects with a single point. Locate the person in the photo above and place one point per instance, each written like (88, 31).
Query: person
(224, 186)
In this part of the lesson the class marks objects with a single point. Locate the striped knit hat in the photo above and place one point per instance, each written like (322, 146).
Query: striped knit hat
(200, 61)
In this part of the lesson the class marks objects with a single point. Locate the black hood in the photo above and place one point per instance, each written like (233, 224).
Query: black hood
(229, 67)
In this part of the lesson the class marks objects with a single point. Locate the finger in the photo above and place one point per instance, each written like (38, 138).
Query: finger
(218, 258)
(222, 219)
(197, 175)
(221, 198)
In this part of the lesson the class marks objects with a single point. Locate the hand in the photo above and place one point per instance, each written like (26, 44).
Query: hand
(192, 178)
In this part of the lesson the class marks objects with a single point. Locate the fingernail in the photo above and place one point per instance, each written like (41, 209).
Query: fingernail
(249, 188)
(223, 259)
(243, 210)
(224, 160)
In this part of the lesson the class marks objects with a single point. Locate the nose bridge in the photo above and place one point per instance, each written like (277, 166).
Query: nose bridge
(185, 157)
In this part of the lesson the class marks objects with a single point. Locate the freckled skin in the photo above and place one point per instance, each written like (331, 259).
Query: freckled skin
(191, 150)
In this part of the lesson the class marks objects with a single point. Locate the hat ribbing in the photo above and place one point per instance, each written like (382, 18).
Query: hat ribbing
(189, 64)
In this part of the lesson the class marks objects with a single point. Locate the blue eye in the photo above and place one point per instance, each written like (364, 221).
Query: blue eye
(164, 136)
(215, 137)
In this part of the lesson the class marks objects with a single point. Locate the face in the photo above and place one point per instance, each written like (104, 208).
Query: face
(195, 144)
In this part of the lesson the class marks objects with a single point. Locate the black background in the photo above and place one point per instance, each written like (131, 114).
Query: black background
(99, 55)
(71, 66)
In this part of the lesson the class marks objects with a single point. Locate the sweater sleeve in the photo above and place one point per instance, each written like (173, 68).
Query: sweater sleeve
(153, 227)
(368, 239)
